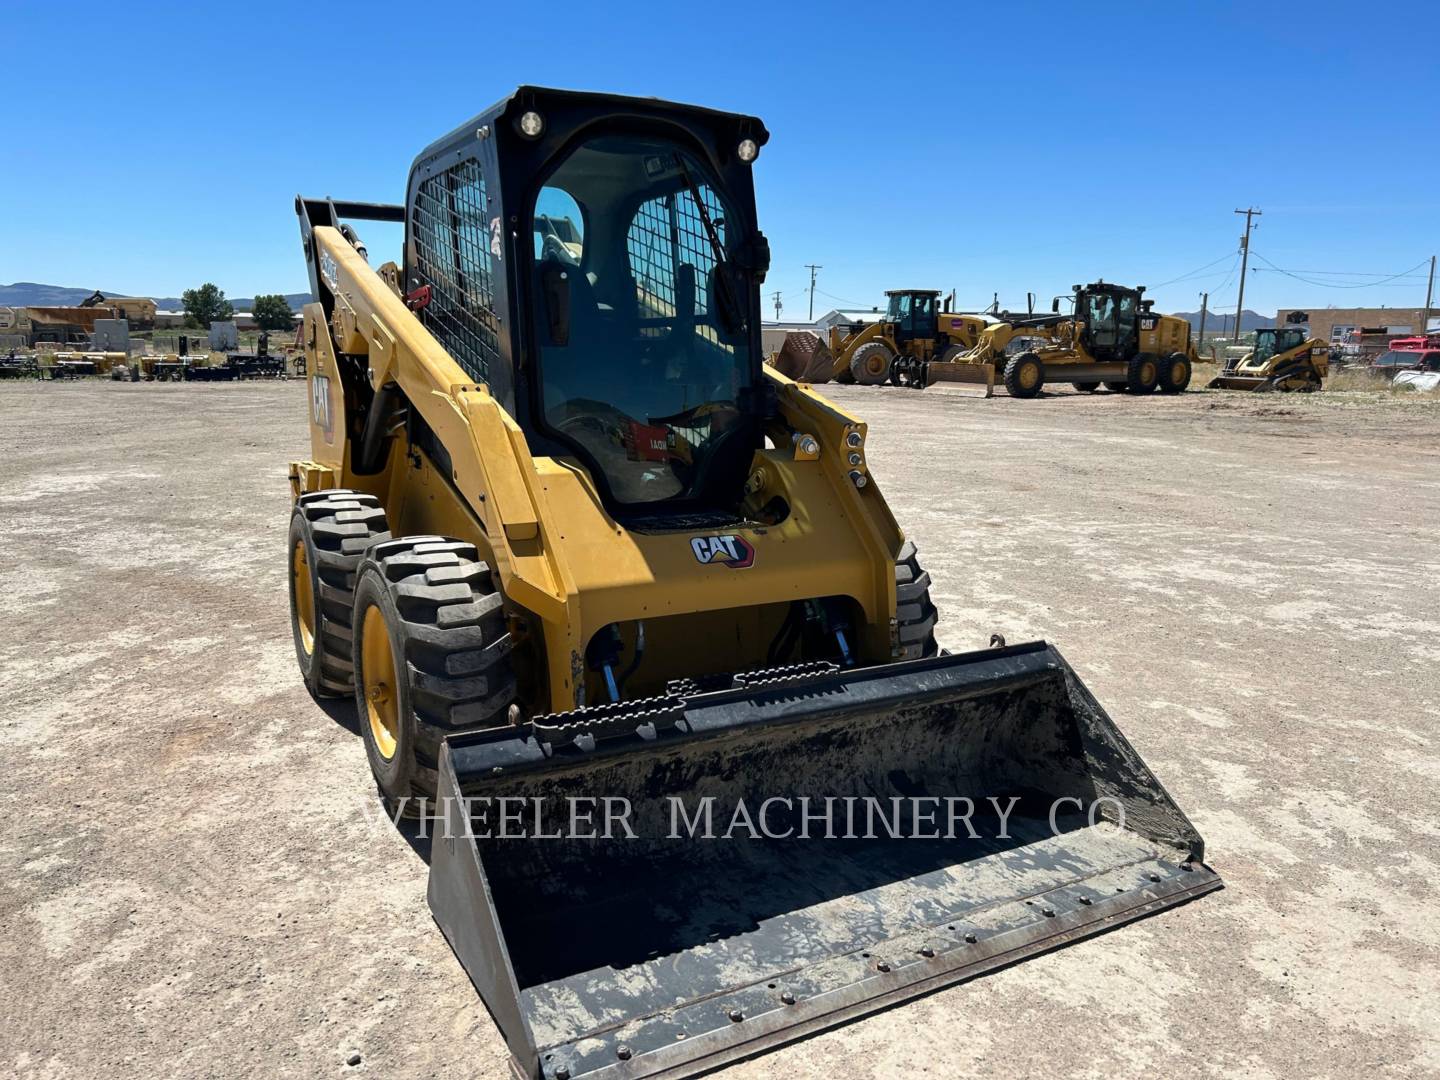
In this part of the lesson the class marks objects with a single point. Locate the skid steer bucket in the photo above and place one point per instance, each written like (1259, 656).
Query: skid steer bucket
(926, 822)
(1230, 381)
(962, 380)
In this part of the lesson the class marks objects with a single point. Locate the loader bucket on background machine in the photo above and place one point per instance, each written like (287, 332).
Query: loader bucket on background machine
(804, 357)
(865, 879)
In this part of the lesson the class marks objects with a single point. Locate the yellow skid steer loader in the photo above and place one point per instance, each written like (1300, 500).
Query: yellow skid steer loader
(1284, 358)
(626, 616)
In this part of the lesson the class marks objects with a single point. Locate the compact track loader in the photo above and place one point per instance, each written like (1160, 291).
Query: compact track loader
(629, 611)
(1284, 358)
(1112, 338)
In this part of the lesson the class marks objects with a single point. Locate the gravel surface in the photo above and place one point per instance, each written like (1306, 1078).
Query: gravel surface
(195, 880)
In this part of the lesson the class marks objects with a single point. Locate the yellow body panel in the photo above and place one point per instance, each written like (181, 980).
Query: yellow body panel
(563, 563)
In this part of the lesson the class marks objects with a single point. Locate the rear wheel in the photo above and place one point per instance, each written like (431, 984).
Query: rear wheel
(330, 532)
(870, 366)
(1174, 373)
(1024, 375)
(1142, 374)
(915, 614)
(432, 655)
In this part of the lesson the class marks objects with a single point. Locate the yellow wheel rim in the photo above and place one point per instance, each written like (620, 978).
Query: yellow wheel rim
(1147, 373)
(1177, 373)
(1029, 376)
(876, 364)
(382, 702)
(304, 596)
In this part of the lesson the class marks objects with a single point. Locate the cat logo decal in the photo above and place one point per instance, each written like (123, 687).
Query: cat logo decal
(728, 550)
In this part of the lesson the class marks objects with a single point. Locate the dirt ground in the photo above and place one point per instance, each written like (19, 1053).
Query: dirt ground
(194, 880)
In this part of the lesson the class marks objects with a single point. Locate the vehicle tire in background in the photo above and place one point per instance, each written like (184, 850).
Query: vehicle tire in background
(1174, 373)
(1087, 387)
(915, 614)
(1116, 387)
(1024, 375)
(432, 656)
(330, 532)
(870, 364)
(1142, 374)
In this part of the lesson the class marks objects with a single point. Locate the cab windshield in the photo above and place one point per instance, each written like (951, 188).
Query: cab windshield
(641, 316)
(1270, 343)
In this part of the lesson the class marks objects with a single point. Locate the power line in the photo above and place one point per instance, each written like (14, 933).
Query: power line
(843, 300)
(1192, 273)
(1353, 274)
(1339, 285)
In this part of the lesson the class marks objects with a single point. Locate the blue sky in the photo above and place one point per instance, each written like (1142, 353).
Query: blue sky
(986, 148)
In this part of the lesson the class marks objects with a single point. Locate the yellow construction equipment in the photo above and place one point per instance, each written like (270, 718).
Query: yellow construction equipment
(1284, 358)
(913, 331)
(1111, 338)
(629, 611)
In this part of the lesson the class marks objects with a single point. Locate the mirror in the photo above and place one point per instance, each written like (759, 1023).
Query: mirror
(559, 227)
(1055, 306)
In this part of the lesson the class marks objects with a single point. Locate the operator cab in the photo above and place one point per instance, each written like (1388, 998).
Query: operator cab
(1111, 317)
(1274, 341)
(913, 313)
(624, 334)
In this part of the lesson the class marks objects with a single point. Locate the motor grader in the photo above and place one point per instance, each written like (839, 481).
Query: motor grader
(1111, 338)
(1284, 358)
(569, 544)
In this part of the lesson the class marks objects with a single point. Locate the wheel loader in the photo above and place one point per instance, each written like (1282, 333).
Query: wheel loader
(914, 330)
(1284, 358)
(1112, 338)
(628, 621)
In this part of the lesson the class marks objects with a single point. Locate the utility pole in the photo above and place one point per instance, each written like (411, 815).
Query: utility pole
(1429, 295)
(1250, 214)
(812, 268)
(1204, 305)
(777, 305)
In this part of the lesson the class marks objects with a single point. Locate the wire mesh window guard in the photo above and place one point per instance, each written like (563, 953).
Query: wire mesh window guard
(452, 253)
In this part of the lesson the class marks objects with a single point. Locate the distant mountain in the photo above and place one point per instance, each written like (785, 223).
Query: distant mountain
(33, 294)
(1249, 320)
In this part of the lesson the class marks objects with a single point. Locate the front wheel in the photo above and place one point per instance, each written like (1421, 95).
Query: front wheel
(915, 614)
(1174, 373)
(432, 656)
(1024, 375)
(870, 366)
(1143, 374)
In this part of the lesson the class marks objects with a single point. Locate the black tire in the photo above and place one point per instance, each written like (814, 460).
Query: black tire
(1087, 387)
(1115, 387)
(1174, 373)
(451, 650)
(915, 614)
(333, 529)
(1142, 374)
(1024, 375)
(867, 362)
